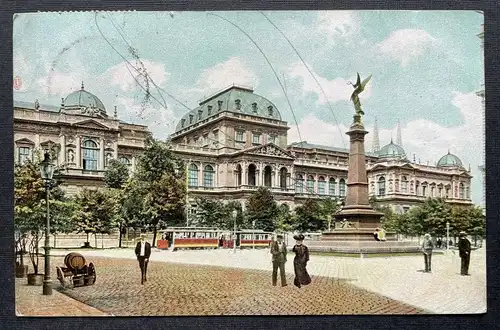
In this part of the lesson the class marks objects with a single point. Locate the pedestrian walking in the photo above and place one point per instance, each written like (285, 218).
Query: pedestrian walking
(464, 252)
(143, 252)
(427, 246)
(300, 262)
(278, 251)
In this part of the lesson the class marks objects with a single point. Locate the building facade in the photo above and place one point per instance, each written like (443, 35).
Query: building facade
(81, 135)
(481, 94)
(236, 141)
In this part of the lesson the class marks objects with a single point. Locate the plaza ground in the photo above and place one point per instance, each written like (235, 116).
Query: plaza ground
(220, 282)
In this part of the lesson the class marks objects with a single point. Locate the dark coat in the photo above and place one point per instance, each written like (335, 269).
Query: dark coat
(299, 265)
(464, 247)
(147, 249)
(278, 256)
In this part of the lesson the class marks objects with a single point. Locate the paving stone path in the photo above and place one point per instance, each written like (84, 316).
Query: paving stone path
(179, 289)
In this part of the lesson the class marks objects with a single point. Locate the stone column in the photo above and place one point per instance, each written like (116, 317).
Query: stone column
(101, 155)
(277, 178)
(200, 175)
(62, 152)
(78, 152)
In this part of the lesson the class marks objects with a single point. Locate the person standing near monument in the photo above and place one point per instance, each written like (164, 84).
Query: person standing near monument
(300, 262)
(427, 246)
(278, 251)
(464, 252)
(143, 252)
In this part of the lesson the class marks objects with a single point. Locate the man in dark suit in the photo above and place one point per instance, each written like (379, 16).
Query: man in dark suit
(464, 252)
(278, 250)
(143, 251)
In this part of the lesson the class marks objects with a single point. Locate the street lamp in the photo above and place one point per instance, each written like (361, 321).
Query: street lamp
(235, 213)
(447, 235)
(253, 235)
(47, 171)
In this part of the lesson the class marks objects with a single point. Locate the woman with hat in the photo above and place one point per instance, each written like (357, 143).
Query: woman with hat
(300, 262)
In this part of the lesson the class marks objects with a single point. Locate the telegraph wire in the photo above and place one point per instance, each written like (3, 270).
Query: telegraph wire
(268, 62)
(314, 77)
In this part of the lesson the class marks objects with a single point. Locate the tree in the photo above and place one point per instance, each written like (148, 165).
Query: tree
(286, 219)
(211, 213)
(329, 208)
(162, 180)
(30, 208)
(469, 219)
(310, 216)
(96, 212)
(262, 208)
(116, 174)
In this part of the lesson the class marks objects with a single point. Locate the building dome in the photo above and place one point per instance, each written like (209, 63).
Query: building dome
(449, 160)
(235, 99)
(392, 150)
(81, 100)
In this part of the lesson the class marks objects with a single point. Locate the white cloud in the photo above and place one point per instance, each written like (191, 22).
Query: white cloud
(337, 89)
(336, 24)
(426, 139)
(58, 83)
(406, 44)
(233, 71)
(119, 75)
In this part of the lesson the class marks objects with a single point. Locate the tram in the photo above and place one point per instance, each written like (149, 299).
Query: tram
(212, 238)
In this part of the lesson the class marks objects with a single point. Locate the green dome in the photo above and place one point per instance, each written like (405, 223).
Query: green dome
(234, 99)
(449, 160)
(392, 151)
(83, 99)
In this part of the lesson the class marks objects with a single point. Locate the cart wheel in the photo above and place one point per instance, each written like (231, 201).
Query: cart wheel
(91, 272)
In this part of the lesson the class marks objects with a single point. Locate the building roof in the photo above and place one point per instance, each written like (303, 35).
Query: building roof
(449, 160)
(82, 98)
(305, 145)
(31, 105)
(235, 99)
(392, 150)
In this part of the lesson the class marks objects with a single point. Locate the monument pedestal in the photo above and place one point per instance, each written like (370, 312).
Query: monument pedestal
(359, 220)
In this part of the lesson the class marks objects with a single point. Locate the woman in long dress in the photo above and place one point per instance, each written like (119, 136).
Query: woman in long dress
(300, 262)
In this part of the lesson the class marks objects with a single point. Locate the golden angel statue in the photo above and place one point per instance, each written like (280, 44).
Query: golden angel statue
(359, 87)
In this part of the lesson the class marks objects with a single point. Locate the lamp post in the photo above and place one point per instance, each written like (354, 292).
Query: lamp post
(447, 235)
(235, 213)
(47, 171)
(253, 235)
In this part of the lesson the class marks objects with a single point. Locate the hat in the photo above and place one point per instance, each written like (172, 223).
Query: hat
(462, 233)
(299, 237)
(279, 236)
(143, 236)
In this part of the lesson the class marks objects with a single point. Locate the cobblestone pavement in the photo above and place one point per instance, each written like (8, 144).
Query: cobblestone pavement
(443, 291)
(179, 289)
(31, 302)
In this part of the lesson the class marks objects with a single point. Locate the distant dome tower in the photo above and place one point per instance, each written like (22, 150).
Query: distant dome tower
(84, 103)
(449, 160)
(391, 151)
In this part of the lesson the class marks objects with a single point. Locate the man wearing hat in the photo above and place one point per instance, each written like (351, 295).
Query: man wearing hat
(464, 252)
(278, 250)
(143, 251)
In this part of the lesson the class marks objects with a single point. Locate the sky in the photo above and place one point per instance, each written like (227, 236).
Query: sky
(426, 68)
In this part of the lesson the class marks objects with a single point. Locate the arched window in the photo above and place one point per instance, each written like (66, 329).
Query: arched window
(193, 176)
(417, 188)
(238, 175)
(283, 177)
(268, 176)
(467, 193)
(433, 190)
(310, 184)
(404, 185)
(299, 184)
(424, 189)
(332, 187)
(252, 169)
(342, 188)
(208, 176)
(381, 186)
(321, 185)
(90, 157)
(124, 160)
(462, 191)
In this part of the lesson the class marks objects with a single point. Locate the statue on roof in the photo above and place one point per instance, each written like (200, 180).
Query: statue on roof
(359, 87)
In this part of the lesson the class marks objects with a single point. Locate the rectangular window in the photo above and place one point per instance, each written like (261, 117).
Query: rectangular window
(90, 159)
(240, 136)
(23, 154)
(256, 138)
(271, 139)
(205, 140)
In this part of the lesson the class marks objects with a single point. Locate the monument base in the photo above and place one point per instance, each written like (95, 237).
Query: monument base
(362, 247)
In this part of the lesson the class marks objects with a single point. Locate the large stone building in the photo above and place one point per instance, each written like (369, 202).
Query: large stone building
(236, 141)
(233, 142)
(82, 134)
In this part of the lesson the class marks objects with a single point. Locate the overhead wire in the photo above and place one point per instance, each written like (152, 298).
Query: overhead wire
(268, 62)
(311, 73)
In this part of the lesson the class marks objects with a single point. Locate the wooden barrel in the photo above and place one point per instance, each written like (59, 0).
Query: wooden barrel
(74, 261)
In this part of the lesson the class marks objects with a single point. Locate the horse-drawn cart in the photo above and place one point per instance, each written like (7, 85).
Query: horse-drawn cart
(76, 270)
